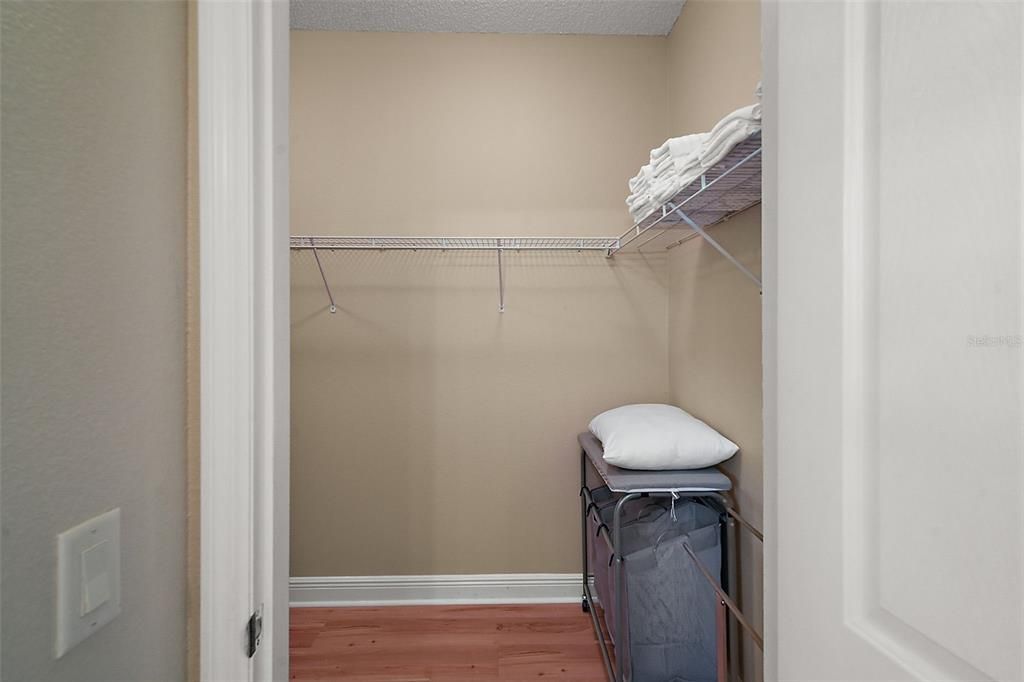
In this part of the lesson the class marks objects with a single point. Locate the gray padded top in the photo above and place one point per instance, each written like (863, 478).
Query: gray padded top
(634, 481)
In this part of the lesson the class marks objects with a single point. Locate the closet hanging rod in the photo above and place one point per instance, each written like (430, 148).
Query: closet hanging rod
(344, 243)
(496, 244)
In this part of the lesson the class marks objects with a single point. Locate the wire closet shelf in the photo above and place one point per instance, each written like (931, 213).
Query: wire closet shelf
(456, 243)
(731, 186)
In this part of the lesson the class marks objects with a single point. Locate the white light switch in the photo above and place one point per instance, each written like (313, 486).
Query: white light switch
(88, 578)
(95, 577)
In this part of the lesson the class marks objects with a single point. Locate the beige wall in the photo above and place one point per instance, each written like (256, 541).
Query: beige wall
(430, 433)
(93, 376)
(714, 62)
(715, 312)
(417, 389)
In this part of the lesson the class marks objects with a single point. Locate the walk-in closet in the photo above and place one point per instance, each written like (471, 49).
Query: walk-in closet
(507, 220)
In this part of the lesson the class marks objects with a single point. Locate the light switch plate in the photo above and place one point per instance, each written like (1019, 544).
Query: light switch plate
(88, 579)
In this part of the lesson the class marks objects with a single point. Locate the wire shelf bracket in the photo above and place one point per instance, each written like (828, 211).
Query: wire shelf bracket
(715, 245)
(501, 282)
(330, 297)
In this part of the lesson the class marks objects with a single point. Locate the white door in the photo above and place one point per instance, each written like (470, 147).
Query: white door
(894, 304)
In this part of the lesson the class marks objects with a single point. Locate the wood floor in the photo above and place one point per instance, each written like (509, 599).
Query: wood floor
(442, 643)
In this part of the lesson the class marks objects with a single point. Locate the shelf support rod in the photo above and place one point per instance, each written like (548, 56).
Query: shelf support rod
(501, 280)
(327, 286)
(715, 245)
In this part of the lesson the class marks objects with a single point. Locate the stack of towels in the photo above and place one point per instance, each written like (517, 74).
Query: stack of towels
(681, 160)
(673, 165)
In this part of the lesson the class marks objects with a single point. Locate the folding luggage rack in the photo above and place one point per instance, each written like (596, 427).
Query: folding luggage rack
(709, 485)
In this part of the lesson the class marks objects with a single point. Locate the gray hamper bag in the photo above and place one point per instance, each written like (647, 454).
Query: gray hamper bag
(643, 520)
(670, 608)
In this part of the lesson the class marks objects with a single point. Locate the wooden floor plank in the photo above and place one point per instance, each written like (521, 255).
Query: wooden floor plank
(560, 660)
(506, 643)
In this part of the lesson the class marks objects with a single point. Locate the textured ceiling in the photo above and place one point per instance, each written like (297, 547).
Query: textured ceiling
(592, 17)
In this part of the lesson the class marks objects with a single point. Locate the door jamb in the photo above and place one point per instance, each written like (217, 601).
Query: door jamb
(244, 335)
(769, 324)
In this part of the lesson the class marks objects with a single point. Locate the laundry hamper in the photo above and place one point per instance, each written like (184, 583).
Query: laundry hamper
(670, 633)
(643, 521)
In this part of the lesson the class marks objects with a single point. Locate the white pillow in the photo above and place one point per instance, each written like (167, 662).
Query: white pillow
(659, 437)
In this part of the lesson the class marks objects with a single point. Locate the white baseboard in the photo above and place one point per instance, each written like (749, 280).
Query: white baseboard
(396, 590)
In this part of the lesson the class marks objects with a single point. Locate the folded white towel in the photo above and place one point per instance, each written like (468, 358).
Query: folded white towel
(748, 114)
(638, 192)
(722, 143)
(671, 186)
(642, 212)
(641, 179)
(666, 189)
(682, 160)
(678, 146)
(639, 199)
(645, 201)
(665, 167)
(676, 165)
(640, 206)
(686, 145)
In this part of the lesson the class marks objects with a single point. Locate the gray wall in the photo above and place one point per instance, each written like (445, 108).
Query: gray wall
(92, 273)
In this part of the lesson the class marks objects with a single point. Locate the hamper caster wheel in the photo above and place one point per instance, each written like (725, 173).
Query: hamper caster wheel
(585, 605)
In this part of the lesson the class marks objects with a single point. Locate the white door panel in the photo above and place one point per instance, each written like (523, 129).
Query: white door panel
(899, 296)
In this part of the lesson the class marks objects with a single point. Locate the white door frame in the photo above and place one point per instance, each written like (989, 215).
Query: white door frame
(769, 327)
(244, 335)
